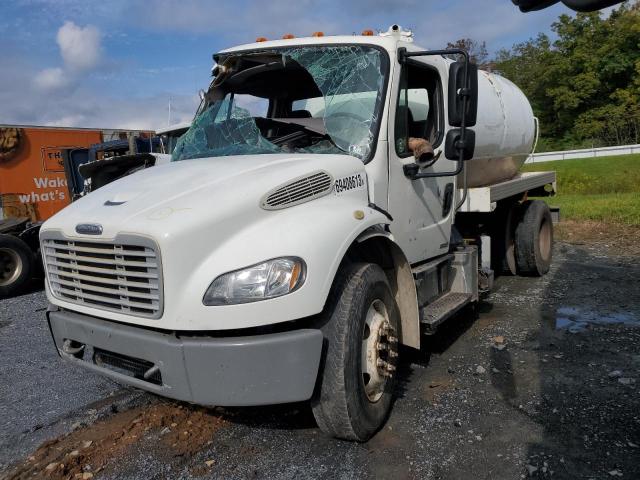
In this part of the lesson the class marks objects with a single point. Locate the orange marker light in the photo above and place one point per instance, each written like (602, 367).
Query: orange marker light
(367, 33)
(317, 34)
(261, 39)
(295, 275)
(288, 36)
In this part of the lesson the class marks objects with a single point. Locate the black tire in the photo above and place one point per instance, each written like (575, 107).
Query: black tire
(16, 265)
(340, 404)
(534, 239)
(503, 240)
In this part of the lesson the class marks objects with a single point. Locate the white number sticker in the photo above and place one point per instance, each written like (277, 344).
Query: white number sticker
(350, 182)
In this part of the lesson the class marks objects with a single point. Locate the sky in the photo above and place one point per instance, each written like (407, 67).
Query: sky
(119, 64)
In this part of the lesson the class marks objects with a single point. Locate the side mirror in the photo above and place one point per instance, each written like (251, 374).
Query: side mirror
(458, 90)
(453, 146)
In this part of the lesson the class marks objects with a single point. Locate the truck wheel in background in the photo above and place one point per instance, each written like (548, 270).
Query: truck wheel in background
(16, 262)
(504, 239)
(534, 239)
(361, 329)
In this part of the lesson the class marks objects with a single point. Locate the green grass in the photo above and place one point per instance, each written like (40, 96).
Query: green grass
(605, 189)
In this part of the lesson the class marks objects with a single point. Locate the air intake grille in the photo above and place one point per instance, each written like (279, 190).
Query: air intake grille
(298, 191)
(123, 277)
(134, 367)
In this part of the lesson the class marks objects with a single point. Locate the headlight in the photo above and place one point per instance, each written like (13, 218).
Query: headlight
(270, 279)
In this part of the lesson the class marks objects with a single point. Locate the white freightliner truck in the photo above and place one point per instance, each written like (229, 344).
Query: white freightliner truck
(294, 242)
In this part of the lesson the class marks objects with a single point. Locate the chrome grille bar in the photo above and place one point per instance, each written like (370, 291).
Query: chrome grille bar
(122, 276)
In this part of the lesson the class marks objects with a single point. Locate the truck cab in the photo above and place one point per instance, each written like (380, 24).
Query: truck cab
(297, 239)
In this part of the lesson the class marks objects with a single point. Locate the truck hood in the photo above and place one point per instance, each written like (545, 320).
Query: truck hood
(177, 197)
(205, 218)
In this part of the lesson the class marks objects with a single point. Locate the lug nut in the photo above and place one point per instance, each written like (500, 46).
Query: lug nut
(393, 354)
(392, 339)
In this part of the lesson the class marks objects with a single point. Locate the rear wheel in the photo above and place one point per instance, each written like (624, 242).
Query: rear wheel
(355, 389)
(16, 263)
(534, 239)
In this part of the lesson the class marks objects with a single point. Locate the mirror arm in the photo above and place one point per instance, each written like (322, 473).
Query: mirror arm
(413, 171)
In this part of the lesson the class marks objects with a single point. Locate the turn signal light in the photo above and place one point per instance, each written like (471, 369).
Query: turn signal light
(317, 34)
(261, 39)
(288, 36)
(367, 33)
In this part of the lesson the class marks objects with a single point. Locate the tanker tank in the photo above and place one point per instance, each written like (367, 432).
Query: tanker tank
(505, 131)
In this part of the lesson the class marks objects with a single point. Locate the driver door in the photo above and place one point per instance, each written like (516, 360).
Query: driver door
(421, 208)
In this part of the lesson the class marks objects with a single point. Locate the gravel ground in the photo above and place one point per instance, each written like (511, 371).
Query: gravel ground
(542, 384)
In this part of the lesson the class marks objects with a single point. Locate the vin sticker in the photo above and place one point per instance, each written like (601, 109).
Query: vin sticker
(350, 182)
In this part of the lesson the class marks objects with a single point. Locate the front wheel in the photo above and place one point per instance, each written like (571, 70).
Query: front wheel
(361, 331)
(16, 262)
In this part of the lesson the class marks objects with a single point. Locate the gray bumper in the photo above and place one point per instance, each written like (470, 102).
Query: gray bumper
(228, 371)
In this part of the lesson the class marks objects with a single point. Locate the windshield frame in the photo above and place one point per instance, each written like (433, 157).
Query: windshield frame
(385, 65)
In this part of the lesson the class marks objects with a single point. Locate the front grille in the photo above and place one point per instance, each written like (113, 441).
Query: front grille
(123, 276)
(298, 191)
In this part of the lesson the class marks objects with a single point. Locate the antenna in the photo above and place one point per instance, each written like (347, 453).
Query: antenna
(169, 119)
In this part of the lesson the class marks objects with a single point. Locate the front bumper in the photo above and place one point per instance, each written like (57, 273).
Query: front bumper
(227, 371)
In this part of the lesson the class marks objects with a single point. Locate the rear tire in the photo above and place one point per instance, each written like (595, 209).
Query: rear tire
(16, 264)
(534, 239)
(361, 329)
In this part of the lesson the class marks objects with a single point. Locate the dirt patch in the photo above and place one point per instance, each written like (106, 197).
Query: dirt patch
(83, 453)
(617, 239)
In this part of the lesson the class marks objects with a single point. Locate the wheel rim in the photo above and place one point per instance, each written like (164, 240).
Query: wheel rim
(379, 351)
(544, 240)
(10, 266)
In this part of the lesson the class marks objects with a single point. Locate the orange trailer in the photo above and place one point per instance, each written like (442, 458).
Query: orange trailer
(32, 178)
(33, 187)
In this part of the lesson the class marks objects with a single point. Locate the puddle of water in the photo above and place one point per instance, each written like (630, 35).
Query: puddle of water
(576, 320)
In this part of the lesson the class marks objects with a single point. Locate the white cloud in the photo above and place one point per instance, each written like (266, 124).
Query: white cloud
(25, 102)
(51, 79)
(79, 46)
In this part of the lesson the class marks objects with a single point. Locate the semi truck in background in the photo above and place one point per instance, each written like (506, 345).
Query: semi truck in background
(38, 177)
(298, 238)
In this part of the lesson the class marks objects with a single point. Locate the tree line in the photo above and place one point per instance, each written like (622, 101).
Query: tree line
(584, 86)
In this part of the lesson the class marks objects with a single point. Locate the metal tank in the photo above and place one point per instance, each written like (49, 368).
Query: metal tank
(505, 131)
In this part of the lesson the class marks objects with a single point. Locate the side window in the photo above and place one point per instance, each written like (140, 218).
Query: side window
(418, 113)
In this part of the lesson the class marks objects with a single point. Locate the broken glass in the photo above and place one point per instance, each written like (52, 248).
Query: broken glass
(222, 129)
(350, 79)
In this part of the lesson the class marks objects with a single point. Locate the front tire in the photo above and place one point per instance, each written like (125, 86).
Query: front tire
(16, 264)
(354, 394)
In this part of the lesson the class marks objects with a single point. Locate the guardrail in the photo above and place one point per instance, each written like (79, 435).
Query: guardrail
(583, 153)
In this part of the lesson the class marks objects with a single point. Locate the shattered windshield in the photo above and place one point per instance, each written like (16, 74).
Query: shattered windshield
(316, 99)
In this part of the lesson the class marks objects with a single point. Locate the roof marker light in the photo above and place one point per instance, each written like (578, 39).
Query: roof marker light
(261, 39)
(317, 34)
(288, 36)
(367, 33)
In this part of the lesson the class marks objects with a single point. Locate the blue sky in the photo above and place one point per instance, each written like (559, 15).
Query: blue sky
(116, 63)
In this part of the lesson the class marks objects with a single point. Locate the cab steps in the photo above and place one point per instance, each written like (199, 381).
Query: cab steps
(441, 309)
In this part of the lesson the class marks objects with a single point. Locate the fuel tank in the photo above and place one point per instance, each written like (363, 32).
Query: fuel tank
(505, 131)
